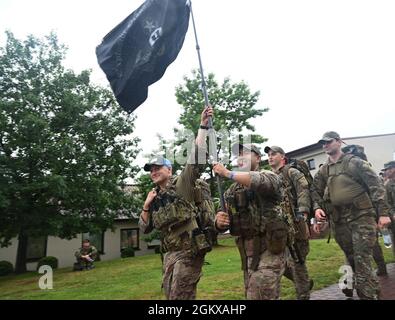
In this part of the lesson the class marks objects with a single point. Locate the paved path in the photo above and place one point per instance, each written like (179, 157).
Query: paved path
(333, 292)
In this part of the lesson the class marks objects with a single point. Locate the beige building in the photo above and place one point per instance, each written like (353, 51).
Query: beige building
(110, 243)
(378, 148)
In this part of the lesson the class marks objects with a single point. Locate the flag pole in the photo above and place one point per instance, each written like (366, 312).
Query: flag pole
(212, 137)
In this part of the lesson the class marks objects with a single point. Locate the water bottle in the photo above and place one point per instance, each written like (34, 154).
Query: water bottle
(386, 237)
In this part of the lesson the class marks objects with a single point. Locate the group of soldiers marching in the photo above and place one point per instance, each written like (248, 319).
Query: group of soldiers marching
(267, 211)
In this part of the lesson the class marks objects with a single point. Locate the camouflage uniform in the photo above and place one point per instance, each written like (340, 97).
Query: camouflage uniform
(183, 240)
(298, 188)
(390, 197)
(261, 234)
(355, 194)
(83, 263)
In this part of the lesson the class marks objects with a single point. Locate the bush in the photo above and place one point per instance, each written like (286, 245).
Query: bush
(6, 268)
(127, 252)
(49, 261)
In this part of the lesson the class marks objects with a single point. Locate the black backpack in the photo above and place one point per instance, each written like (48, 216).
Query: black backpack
(302, 167)
(356, 150)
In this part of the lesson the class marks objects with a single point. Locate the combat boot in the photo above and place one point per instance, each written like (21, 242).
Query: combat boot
(348, 292)
(311, 284)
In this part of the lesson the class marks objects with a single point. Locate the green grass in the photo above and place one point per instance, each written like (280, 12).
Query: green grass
(140, 277)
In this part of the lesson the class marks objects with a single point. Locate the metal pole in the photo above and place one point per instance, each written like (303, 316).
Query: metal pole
(212, 137)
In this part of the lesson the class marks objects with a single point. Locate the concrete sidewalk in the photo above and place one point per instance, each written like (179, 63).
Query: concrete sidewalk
(333, 292)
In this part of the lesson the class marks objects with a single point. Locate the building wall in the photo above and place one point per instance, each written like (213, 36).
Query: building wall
(379, 149)
(64, 250)
(318, 156)
(9, 253)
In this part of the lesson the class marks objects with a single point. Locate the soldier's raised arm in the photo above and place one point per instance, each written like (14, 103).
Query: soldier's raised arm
(197, 159)
(263, 181)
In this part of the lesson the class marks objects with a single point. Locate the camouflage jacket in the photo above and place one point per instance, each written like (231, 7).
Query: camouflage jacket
(390, 196)
(249, 214)
(361, 172)
(200, 214)
(299, 188)
(91, 251)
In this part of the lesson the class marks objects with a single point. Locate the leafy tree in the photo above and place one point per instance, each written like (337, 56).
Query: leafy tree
(65, 147)
(235, 107)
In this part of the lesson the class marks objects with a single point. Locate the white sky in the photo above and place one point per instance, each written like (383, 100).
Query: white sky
(320, 65)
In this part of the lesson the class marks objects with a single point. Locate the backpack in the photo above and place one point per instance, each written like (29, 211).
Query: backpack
(356, 150)
(301, 166)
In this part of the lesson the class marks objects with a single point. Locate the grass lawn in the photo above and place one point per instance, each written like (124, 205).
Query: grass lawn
(140, 277)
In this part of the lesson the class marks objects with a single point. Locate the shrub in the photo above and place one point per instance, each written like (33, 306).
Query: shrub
(6, 268)
(127, 252)
(49, 261)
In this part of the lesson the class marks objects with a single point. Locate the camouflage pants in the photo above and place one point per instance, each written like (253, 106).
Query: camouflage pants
(392, 227)
(264, 283)
(378, 255)
(181, 273)
(357, 239)
(297, 272)
(83, 263)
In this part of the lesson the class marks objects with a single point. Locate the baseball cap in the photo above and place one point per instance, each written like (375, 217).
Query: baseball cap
(274, 149)
(328, 136)
(158, 161)
(248, 146)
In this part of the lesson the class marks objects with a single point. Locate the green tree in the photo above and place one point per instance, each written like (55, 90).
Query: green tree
(65, 147)
(235, 107)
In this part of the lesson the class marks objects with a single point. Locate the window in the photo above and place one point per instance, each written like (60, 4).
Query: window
(130, 238)
(311, 164)
(96, 240)
(36, 248)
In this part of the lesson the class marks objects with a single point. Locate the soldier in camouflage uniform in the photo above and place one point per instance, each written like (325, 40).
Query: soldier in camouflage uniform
(254, 216)
(389, 168)
(355, 194)
(173, 209)
(378, 255)
(206, 206)
(297, 187)
(85, 256)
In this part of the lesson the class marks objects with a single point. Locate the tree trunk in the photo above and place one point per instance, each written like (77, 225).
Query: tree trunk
(20, 265)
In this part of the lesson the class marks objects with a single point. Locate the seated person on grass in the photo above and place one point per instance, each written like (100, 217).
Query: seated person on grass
(85, 256)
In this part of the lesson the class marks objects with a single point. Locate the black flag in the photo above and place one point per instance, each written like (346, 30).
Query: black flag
(137, 52)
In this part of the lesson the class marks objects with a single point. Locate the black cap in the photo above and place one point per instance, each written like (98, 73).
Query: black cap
(157, 161)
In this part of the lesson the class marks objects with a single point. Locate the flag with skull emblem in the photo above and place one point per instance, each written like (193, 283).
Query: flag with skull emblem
(137, 52)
